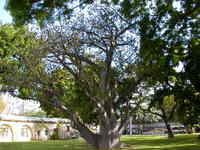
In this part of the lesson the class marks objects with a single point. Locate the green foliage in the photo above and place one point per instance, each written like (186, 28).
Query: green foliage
(193, 63)
(79, 102)
(188, 112)
(168, 102)
(15, 44)
(164, 104)
(58, 83)
(25, 11)
(165, 44)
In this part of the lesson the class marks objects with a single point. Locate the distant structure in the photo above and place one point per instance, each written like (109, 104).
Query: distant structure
(157, 128)
(15, 127)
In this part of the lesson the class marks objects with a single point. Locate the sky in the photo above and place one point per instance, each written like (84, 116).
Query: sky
(4, 15)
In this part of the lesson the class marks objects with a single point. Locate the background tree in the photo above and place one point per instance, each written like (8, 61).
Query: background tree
(167, 50)
(163, 106)
(187, 112)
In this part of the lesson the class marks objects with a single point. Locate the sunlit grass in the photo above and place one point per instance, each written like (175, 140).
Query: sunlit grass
(180, 142)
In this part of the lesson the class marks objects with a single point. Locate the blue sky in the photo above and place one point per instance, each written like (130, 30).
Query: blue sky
(4, 15)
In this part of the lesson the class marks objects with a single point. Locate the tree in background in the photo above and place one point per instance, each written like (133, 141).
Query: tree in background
(169, 52)
(164, 106)
(188, 112)
(159, 101)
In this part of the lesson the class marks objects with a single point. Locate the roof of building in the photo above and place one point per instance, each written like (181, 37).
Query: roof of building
(32, 119)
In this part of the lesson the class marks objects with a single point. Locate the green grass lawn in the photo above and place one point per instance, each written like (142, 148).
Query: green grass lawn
(180, 142)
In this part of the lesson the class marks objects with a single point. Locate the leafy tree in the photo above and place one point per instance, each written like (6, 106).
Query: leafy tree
(168, 41)
(13, 43)
(192, 62)
(158, 100)
(164, 106)
(81, 72)
(187, 111)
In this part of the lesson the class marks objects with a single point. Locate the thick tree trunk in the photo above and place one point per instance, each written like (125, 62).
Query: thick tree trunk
(107, 138)
(169, 130)
(104, 141)
(188, 129)
(108, 141)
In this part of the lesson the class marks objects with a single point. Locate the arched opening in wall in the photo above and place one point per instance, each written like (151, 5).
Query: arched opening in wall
(45, 134)
(42, 131)
(64, 131)
(6, 133)
(26, 133)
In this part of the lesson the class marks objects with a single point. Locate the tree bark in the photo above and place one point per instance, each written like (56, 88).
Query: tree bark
(169, 130)
(107, 138)
(108, 141)
(103, 141)
(188, 129)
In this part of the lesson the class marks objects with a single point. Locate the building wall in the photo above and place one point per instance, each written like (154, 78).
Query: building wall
(27, 131)
(15, 127)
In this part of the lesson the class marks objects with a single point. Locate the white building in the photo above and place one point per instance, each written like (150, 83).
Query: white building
(21, 128)
(14, 127)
